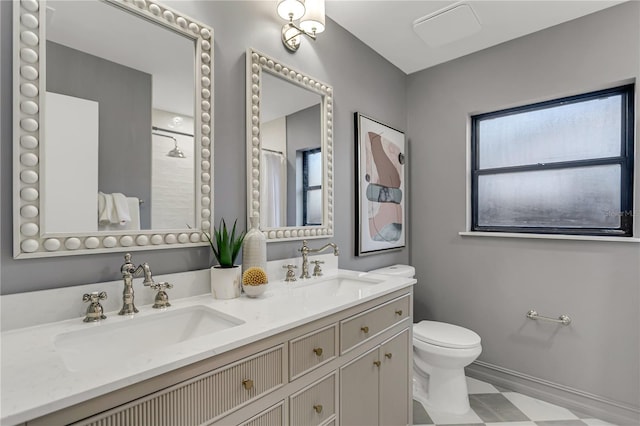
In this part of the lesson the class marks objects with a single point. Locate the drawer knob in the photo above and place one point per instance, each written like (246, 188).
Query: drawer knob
(376, 363)
(389, 355)
(247, 384)
(399, 312)
(318, 351)
(365, 329)
(317, 408)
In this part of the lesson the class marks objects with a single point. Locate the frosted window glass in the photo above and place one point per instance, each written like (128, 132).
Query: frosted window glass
(314, 165)
(572, 198)
(575, 131)
(314, 206)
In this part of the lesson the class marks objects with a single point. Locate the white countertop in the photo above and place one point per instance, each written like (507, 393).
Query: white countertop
(35, 381)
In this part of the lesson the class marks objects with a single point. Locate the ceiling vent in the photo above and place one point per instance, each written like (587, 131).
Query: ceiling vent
(447, 25)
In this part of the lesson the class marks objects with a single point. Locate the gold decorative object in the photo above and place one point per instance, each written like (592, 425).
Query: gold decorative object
(254, 281)
(254, 276)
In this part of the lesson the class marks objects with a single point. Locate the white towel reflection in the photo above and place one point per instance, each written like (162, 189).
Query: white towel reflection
(273, 191)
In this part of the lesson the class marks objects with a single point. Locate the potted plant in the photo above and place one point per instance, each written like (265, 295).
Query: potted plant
(226, 278)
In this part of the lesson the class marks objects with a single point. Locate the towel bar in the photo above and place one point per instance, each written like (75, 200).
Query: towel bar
(562, 319)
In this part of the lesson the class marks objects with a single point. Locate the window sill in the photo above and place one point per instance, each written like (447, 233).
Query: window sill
(549, 236)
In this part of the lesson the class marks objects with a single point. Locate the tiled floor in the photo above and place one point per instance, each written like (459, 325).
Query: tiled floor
(493, 407)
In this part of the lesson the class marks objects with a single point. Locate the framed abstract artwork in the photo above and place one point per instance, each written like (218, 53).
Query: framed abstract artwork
(380, 187)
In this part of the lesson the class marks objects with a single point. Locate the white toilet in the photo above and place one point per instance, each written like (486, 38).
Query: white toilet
(440, 353)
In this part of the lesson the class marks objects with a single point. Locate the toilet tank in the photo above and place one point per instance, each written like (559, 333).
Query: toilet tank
(406, 271)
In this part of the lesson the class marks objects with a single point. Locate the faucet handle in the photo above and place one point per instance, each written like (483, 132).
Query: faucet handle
(317, 271)
(291, 275)
(94, 297)
(162, 298)
(160, 286)
(95, 312)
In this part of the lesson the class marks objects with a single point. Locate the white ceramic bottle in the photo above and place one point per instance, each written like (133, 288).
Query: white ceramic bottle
(254, 247)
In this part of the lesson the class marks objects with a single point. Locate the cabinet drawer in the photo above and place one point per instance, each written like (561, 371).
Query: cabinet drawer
(272, 416)
(203, 398)
(312, 350)
(314, 404)
(362, 327)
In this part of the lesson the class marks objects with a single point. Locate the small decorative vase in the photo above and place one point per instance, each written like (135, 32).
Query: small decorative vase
(254, 290)
(226, 283)
(254, 247)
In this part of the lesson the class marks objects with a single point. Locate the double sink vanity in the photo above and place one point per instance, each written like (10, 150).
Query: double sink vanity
(334, 349)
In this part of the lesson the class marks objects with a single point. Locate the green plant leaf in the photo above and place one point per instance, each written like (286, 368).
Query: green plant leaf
(227, 245)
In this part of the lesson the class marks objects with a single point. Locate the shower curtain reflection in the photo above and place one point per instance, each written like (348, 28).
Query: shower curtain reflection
(273, 192)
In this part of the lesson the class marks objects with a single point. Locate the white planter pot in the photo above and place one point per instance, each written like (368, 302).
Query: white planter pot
(226, 283)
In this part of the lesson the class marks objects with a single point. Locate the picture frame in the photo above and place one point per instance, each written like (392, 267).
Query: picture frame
(380, 157)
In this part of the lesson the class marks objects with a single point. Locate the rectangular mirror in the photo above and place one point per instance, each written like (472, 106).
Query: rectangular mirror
(113, 136)
(289, 150)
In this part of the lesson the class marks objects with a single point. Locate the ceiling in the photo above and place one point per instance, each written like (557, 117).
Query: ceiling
(453, 28)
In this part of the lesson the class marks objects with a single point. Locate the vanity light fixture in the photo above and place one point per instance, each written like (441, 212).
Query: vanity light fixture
(311, 16)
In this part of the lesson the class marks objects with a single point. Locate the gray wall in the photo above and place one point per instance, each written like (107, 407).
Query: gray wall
(124, 95)
(488, 284)
(362, 81)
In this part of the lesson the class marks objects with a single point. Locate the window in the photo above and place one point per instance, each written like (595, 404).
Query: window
(559, 167)
(312, 187)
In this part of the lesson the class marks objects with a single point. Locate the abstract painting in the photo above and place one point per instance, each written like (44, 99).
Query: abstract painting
(380, 187)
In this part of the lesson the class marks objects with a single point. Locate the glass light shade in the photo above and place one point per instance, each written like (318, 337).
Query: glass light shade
(313, 19)
(291, 9)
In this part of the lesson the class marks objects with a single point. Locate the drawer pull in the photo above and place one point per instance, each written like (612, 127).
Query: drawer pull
(247, 384)
(317, 351)
(365, 329)
(317, 408)
(399, 312)
(389, 355)
(376, 363)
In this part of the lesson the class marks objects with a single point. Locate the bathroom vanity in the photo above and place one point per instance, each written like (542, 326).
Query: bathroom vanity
(329, 350)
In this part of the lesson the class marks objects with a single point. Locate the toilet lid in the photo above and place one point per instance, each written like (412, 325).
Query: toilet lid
(445, 335)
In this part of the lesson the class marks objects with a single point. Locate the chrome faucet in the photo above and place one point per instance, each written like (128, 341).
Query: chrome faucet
(305, 250)
(129, 271)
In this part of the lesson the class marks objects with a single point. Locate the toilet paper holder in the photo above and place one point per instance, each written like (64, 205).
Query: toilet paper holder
(562, 319)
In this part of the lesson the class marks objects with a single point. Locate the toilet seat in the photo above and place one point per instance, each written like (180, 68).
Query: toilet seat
(445, 335)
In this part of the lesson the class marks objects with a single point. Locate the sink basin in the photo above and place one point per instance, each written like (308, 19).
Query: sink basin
(339, 286)
(103, 343)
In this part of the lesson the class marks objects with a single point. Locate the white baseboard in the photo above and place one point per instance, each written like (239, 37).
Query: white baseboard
(597, 406)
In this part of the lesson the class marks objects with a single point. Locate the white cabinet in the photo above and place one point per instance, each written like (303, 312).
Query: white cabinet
(359, 391)
(315, 404)
(275, 415)
(395, 380)
(362, 327)
(312, 350)
(348, 368)
(374, 388)
(203, 398)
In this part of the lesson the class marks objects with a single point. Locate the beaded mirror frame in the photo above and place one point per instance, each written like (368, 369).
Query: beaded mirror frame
(257, 64)
(29, 76)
